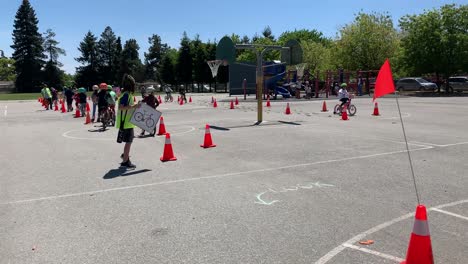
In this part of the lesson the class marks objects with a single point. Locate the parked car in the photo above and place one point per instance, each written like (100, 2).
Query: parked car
(415, 84)
(458, 84)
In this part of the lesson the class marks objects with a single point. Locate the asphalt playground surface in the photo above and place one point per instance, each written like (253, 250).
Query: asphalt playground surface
(300, 188)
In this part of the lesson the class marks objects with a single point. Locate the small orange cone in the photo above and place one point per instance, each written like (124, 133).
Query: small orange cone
(181, 102)
(63, 107)
(159, 99)
(162, 127)
(420, 248)
(215, 104)
(168, 154)
(237, 101)
(190, 99)
(208, 142)
(232, 105)
(87, 107)
(344, 114)
(268, 103)
(324, 107)
(88, 118)
(77, 113)
(376, 110)
(178, 99)
(288, 110)
(212, 99)
(56, 107)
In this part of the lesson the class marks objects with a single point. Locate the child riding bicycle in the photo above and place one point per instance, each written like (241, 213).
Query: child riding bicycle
(343, 94)
(150, 100)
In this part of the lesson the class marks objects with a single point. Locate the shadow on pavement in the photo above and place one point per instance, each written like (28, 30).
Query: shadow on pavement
(121, 172)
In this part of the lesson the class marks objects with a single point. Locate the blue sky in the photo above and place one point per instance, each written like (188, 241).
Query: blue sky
(139, 19)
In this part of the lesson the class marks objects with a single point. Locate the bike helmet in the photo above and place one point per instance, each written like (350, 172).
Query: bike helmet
(109, 87)
(150, 89)
(95, 87)
(344, 85)
(103, 86)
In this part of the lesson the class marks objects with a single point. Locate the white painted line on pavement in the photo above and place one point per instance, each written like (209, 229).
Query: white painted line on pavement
(449, 213)
(211, 177)
(404, 115)
(66, 134)
(6, 110)
(337, 250)
(373, 252)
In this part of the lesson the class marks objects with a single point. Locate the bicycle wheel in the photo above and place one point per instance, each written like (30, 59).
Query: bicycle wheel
(352, 110)
(104, 120)
(139, 117)
(149, 122)
(337, 109)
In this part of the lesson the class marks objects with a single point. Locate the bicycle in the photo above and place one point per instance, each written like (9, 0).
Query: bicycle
(168, 98)
(143, 117)
(350, 107)
(107, 118)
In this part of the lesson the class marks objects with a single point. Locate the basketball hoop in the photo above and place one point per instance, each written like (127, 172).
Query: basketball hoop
(214, 66)
(300, 69)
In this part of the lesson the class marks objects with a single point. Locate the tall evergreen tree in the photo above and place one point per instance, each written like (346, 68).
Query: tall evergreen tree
(87, 74)
(52, 73)
(107, 46)
(184, 62)
(268, 34)
(28, 51)
(153, 59)
(131, 63)
(118, 61)
(199, 60)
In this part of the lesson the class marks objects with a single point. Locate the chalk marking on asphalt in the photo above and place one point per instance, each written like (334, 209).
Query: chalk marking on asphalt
(404, 115)
(449, 213)
(65, 134)
(373, 252)
(212, 176)
(337, 250)
(290, 189)
(261, 201)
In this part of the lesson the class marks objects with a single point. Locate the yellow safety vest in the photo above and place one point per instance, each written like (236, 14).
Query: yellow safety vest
(127, 117)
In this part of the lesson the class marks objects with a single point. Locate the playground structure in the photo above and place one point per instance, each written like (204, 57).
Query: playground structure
(291, 54)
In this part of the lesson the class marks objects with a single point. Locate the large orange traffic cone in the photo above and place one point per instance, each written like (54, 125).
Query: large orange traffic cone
(324, 107)
(288, 110)
(232, 105)
(168, 154)
(208, 142)
(190, 99)
(215, 104)
(63, 107)
(88, 118)
(344, 114)
(87, 107)
(376, 110)
(237, 101)
(162, 127)
(268, 103)
(56, 107)
(420, 248)
(77, 113)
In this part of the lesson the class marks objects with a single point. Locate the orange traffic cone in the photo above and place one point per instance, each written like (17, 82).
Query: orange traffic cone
(168, 154)
(181, 101)
(77, 113)
(232, 105)
(88, 118)
(288, 110)
(344, 114)
(420, 248)
(208, 142)
(324, 107)
(268, 103)
(178, 99)
(159, 99)
(56, 107)
(212, 99)
(63, 107)
(376, 110)
(87, 107)
(190, 99)
(237, 101)
(162, 127)
(215, 104)
(39, 99)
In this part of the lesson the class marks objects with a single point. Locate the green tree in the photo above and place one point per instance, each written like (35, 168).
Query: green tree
(367, 42)
(106, 50)
(87, 74)
(184, 64)
(153, 59)
(268, 34)
(303, 35)
(167, 71)
(436, 41)
(199, 60)
(117, 61)
(317, 56)
(28, 51)
(7, 69)
(131, 63)
(52, 73)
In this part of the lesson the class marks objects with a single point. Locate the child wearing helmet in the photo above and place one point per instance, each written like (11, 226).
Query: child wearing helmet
(82, 98)
(150, 100)
(343, 94)
(102, 100)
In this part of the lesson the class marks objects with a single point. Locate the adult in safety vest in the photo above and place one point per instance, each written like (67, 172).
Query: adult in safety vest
(47, 95)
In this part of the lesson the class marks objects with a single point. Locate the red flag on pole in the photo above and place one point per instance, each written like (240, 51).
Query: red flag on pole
(384, 83)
